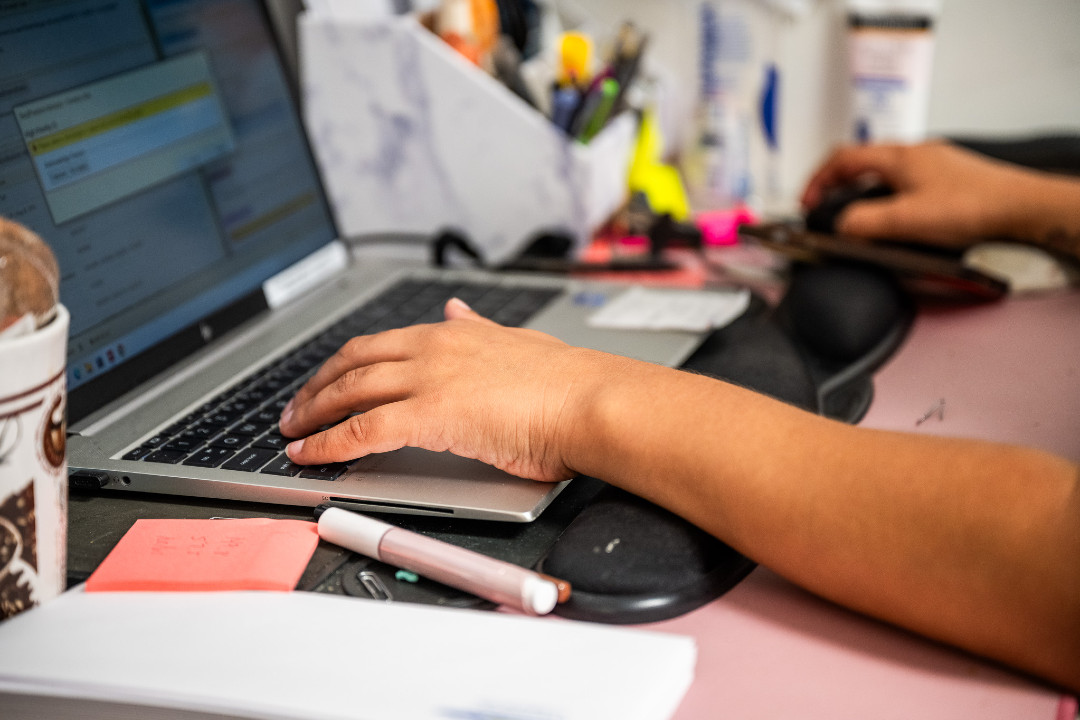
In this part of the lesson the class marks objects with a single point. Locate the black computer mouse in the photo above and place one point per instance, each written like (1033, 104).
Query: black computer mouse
(822, 217)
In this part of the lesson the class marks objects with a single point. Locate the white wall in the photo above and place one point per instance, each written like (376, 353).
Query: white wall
(1007, 66)
(1001, 66)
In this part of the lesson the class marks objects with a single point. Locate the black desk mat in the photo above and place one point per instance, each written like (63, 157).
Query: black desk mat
(96, 522)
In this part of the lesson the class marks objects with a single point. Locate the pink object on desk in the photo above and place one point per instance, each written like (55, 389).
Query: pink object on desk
(190, 555)
(721, 227)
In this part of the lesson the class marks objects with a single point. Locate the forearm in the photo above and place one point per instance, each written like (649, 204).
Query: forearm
(1040, 208)
(971, 543)
(975, 544)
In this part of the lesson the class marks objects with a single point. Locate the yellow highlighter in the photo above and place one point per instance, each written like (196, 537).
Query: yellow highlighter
(660, 182)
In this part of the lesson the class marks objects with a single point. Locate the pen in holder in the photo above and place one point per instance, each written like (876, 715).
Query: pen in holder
(411, 137)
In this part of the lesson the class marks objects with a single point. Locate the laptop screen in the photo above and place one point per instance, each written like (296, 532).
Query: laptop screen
(155, 146)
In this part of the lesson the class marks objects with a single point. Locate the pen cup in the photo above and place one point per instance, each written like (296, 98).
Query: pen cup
(33, 466)
(410, 137)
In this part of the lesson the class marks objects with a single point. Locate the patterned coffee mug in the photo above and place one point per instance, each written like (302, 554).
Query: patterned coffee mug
(33, 466)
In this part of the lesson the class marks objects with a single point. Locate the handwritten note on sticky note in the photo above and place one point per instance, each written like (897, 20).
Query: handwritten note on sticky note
(243, 554)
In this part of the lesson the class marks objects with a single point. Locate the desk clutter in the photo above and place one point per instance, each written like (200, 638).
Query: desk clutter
(178, 605)
(413, 135)
(564, 74)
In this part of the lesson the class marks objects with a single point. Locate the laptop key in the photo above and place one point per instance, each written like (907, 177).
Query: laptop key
(209, 457)
(255, 395)
(250, 460)
(231, 442)
(252, 429)
(138, 453)
(271, 441)
(237, 407)
(323, 472)
(184, 444)
(171, 457)
(277, 405)
(262, 418)
(203, 430)
(282, 465)
(222, 417)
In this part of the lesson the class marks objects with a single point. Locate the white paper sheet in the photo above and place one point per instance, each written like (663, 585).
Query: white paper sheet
(312, 656)
(640, 308)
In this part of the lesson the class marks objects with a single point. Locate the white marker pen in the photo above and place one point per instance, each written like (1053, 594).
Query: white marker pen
(494, 580)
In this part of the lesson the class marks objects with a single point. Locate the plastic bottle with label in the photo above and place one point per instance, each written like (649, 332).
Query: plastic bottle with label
(891, 48)
(717, 165)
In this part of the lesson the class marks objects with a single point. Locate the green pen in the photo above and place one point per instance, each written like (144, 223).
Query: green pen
(609, 90)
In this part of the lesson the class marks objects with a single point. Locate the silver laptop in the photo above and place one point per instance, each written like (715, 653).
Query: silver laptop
(157, 147)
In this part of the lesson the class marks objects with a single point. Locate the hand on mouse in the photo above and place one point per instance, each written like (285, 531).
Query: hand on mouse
(943, 195)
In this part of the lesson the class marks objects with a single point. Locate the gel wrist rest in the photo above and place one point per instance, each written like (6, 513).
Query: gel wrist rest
(630, 561)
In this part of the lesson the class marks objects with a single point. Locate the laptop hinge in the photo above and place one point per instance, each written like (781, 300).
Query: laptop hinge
(301, 276)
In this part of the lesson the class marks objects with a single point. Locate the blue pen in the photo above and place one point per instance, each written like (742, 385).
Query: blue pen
(564, 106)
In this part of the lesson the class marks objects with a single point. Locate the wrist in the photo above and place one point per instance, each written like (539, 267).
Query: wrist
(1039, 208)
(636, 425)
(584, 432)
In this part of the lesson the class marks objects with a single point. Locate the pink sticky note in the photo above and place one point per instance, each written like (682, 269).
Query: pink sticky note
(243, 554)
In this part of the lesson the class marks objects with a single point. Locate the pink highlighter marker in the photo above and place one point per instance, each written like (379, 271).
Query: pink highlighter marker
(494, 580)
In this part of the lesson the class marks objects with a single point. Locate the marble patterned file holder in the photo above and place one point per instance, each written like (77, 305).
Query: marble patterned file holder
(412, 138)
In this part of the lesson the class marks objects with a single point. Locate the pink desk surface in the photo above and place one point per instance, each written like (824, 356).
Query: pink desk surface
(1009, 371)
(767, 649)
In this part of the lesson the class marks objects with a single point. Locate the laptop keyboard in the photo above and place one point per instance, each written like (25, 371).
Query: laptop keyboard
(237, 429)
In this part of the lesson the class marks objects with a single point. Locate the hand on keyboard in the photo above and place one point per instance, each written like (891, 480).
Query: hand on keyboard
(463, 386)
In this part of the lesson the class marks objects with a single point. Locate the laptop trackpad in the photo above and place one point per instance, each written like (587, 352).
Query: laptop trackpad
(434, 479)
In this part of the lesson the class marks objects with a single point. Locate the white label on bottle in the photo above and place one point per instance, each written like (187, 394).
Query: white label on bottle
(890, 69)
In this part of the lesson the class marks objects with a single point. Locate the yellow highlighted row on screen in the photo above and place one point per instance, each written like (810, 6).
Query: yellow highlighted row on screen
(127, 116)
(274, 215)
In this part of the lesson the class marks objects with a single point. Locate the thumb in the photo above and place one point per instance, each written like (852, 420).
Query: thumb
(456, 309)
